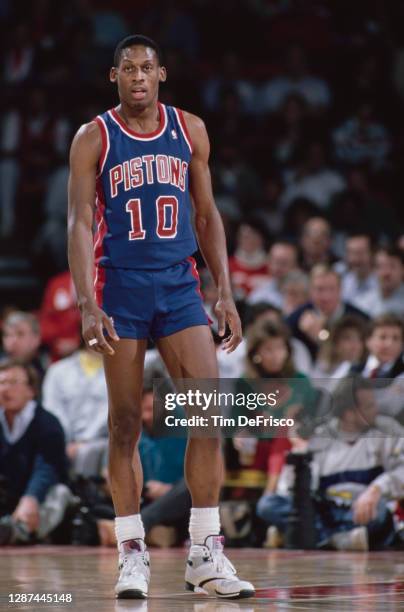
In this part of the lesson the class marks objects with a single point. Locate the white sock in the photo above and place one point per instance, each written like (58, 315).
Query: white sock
(203, 523)
(129, 528)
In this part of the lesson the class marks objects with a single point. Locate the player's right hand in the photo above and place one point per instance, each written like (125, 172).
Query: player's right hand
(94, 321)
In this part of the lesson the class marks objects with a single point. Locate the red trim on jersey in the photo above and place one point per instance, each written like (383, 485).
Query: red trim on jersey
(99, 280)
(185, 129)
(104, 143)
(126, 128)
(195, 274)
(99, 285)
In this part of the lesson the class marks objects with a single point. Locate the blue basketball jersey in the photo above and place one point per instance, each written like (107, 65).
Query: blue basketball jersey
(143, 207)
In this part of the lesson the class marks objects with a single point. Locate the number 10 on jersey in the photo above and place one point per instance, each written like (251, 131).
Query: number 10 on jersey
(166, 218)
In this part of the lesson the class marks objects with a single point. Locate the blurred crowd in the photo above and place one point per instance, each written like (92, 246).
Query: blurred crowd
(303, 103)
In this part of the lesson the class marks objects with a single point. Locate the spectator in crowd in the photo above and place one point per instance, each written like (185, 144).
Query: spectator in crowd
(311, 322)
(362, 139)
(357, 467)
(269, 356)
(388, 296)
(261, 312)
(22, 339)
(247, 266)
(315, 243)
(385, 345)
(385, 363)
(344, 349)
(358, 280)
(295, 80)
(312, 177)
(282, 259)
(32, 460)
(59, 317)
(74, 390)
(295, 291)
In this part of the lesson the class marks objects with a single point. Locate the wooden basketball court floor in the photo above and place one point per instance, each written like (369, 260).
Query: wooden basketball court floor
(285, 580)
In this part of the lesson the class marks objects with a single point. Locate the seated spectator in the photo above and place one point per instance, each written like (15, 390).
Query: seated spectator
(22, 339)
(74, 390)
(32, 460)
(232, 365)
(358, 280)
(311, 322)
(282, 259)
(315, 243)
(362, 138)
(295, 80)
(357, 467)
(345, 348)
(295, 291)
(59, 317)
(247, 266)
(312, 177)
(385, 344)
(269, 356)
(388, 296)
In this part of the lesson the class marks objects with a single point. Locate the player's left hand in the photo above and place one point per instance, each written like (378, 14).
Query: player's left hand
(365, 507)
(226, 312)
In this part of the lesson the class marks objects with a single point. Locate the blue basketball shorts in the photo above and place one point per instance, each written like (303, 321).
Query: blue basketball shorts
(151, 303)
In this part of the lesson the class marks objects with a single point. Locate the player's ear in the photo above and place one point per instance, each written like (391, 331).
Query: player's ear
(113, 74)
(163, 74)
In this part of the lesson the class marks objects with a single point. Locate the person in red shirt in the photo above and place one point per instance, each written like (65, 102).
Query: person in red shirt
(247, 265)
(60, 317)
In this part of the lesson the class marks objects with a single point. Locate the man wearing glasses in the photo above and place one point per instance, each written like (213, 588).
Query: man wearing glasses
(32, 460)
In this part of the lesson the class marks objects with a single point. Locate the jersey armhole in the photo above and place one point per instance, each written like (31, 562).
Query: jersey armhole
(104, 144)
(184, 129)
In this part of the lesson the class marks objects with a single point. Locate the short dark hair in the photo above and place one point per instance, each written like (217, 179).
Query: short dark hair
(388, 319)
(134, 40)
(30, 371)
(256, 310)
(391, 251)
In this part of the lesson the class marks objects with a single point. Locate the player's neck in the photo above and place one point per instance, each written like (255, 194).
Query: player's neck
(142, 120)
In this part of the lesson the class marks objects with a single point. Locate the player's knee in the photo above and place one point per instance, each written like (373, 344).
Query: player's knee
(125, 428)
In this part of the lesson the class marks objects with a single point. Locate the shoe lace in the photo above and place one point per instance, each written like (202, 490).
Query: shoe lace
(221, 563)
(134, 562)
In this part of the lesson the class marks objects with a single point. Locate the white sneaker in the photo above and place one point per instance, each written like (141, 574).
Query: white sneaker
(134, 570)
(209, 572)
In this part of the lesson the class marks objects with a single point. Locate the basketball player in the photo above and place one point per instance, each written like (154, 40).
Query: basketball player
(134, 171)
